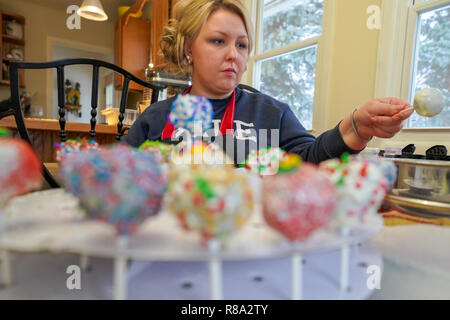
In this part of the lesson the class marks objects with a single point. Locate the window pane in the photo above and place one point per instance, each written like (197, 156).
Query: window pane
(289, 21)
(290, 78)
(433, 63)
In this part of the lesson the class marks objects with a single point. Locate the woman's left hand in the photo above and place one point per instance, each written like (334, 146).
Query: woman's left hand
(382, 117)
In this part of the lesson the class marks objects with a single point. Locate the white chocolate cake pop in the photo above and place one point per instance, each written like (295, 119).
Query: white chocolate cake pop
(360, 185)
(429, 102)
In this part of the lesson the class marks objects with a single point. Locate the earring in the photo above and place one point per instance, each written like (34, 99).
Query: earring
(189, 59)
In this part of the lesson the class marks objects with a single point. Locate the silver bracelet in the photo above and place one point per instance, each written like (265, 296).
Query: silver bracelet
(354, 128)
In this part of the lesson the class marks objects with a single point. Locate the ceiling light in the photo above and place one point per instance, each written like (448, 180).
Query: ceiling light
(92, 10)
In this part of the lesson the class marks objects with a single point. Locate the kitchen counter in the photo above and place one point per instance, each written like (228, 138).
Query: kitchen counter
(44, 133)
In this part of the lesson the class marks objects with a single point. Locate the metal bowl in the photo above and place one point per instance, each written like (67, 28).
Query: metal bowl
(422, 187)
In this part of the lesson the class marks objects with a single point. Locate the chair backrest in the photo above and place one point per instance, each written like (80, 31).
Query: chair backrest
(5, 108)
(248, 88)
(59, 65)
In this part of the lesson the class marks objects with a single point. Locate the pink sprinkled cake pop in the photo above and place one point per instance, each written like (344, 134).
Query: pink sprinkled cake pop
(20, 168)
(296, 204)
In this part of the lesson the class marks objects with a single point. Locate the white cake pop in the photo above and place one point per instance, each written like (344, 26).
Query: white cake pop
(429, 102)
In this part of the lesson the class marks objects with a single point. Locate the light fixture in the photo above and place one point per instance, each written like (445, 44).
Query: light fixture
(92, 10)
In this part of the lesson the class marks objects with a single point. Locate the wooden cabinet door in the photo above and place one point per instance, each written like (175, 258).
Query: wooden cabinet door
(132, 49)
(160, 18)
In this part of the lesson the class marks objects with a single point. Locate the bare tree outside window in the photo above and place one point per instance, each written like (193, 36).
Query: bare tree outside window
(287, 22)
(290, 79)
(432, 63)
(289, 76)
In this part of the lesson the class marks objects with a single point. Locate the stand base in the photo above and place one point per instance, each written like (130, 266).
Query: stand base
(43, 276)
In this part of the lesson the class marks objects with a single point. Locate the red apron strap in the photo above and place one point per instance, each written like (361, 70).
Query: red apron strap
(228, 117)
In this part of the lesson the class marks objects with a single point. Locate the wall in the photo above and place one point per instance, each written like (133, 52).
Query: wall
(353, 59)
(42, 22)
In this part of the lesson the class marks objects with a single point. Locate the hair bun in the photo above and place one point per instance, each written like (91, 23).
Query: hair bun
(169, 41)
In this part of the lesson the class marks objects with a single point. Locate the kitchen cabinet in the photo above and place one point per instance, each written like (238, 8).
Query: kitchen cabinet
(136, 41)
(131, 49)
(160, 17)
(12, 44)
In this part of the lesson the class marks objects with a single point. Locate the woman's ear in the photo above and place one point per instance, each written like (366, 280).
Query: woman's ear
(188, 50)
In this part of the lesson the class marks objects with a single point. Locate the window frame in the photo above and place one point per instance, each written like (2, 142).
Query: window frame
(323, 59)
(397, 47)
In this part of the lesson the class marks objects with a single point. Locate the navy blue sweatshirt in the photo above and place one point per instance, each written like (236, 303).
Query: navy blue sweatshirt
(254, 112)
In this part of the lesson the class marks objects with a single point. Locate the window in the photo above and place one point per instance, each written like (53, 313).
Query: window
(289, 39)
(414, 53)
(429, 40)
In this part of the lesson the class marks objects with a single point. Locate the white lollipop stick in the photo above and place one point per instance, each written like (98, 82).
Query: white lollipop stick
(5, 262)
(297, 276)
(215, 270)
(345, 261)
(120, 269)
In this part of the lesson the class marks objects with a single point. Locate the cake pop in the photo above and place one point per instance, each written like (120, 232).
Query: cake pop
(214, 200)
(429, 102)
(118, 185)
(361, 187)
(20, 168)
(264, 161)
(194, 153)
(193, 113)
(74, 145)
(296, 204)
(387, 167)
(161, 151)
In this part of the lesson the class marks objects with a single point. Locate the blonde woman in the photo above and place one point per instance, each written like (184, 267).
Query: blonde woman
(212, 39)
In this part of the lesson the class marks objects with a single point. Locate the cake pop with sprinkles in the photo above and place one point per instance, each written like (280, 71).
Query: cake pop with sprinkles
(161, 151)
(118, 185)
(74, 145)
(361, 187)
(20, 168)
(387, 167)
(213, 200)
(193, 113)
(264, 161)
(298, 203)
(195, 153)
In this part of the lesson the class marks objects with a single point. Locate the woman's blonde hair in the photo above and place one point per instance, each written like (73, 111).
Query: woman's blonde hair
(189, 17)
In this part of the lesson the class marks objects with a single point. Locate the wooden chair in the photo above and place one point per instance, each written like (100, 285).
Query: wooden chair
(59, 65)
(5, 108)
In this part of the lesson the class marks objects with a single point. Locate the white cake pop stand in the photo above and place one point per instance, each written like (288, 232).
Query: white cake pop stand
(161, 239)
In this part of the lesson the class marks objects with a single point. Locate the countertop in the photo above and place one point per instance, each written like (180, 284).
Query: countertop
(53, 125)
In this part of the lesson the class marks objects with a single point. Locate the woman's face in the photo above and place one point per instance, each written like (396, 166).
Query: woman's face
(219, 55)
